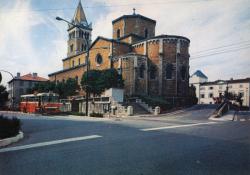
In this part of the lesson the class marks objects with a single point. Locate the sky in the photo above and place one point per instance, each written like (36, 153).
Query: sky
(31, 40)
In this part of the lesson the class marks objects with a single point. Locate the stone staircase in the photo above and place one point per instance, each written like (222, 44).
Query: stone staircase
(139, 107)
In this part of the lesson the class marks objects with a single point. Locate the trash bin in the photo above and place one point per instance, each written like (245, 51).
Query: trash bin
(157, 110)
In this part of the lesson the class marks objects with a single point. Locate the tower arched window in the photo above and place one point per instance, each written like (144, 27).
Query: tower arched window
(141, 71)
(79, 61)
(152, 72)
(71, 48)
(118, 34)
(146, 33)
(169, 71)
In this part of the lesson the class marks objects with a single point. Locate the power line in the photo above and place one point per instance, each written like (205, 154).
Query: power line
(220, 50)
(215, 48)
(216, 53)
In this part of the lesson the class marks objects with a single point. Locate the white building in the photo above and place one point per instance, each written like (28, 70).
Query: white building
(196, 79)
(207, 91)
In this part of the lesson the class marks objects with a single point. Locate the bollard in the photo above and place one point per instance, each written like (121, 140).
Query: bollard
(157, 110)
(130, 110)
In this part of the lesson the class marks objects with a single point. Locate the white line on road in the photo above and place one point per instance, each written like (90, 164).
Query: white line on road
(177, 126)
(48, 143)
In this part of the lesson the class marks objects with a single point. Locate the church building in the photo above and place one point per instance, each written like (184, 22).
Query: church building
(150, 65)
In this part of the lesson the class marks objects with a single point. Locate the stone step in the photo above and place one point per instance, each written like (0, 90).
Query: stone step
(137, 109)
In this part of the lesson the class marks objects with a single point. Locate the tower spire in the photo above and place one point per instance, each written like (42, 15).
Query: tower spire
(79, 16)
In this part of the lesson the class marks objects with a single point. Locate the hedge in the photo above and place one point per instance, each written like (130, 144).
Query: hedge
(9, 127)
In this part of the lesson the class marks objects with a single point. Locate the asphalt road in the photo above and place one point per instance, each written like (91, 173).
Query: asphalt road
(184, 143)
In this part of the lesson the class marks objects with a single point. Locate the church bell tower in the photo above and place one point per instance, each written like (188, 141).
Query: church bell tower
(79, 39)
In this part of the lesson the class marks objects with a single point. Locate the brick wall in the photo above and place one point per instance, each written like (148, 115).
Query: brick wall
(68, 63)
(69, 74)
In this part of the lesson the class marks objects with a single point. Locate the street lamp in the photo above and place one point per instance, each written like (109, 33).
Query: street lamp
(12, 86)
(87, 58)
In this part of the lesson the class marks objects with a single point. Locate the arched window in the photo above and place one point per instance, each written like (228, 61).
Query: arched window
(71, 48)
(79, 61)
(146, 33)
(152, 72)
(183, 72)
(118, 33)
(73, 63)
(98, 59)
(169, 70)
(141, 71)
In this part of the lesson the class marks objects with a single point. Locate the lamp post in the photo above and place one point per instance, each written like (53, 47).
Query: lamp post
(12, 86)
(87, 59)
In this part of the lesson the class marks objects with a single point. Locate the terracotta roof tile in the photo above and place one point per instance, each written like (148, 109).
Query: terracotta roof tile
(30, 77)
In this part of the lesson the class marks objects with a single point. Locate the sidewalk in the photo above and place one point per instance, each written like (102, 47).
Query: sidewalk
(59, 117)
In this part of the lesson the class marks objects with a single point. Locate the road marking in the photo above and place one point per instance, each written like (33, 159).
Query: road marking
(177, 126)
(55, 142)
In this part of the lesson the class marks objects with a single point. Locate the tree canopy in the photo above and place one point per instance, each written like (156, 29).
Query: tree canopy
(100, 80)
(64, 89)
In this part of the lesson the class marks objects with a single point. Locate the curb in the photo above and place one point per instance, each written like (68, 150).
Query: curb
(18, 113)
(7, 141)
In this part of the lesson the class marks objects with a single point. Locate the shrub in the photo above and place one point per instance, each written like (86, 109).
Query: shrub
(9, 127)
(93, 114)
(77, 113)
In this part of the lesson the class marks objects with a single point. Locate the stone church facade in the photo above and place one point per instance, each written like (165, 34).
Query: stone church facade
(150, 65)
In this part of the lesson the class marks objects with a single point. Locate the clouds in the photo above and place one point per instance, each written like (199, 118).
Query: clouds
(33, 41)
(30, 41)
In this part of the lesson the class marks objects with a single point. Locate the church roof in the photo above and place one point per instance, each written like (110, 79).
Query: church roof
(198, 73)
(79, 16)
(133, 16)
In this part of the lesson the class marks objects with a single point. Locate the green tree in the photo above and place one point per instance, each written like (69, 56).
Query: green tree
(64, 89)
(43, 87)
(94, 83)
(192, 96)
(70, 88)
(100, 80)
(3, 96)
(112, 79)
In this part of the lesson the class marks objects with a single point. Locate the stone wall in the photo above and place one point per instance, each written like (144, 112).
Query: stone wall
(134, 25)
